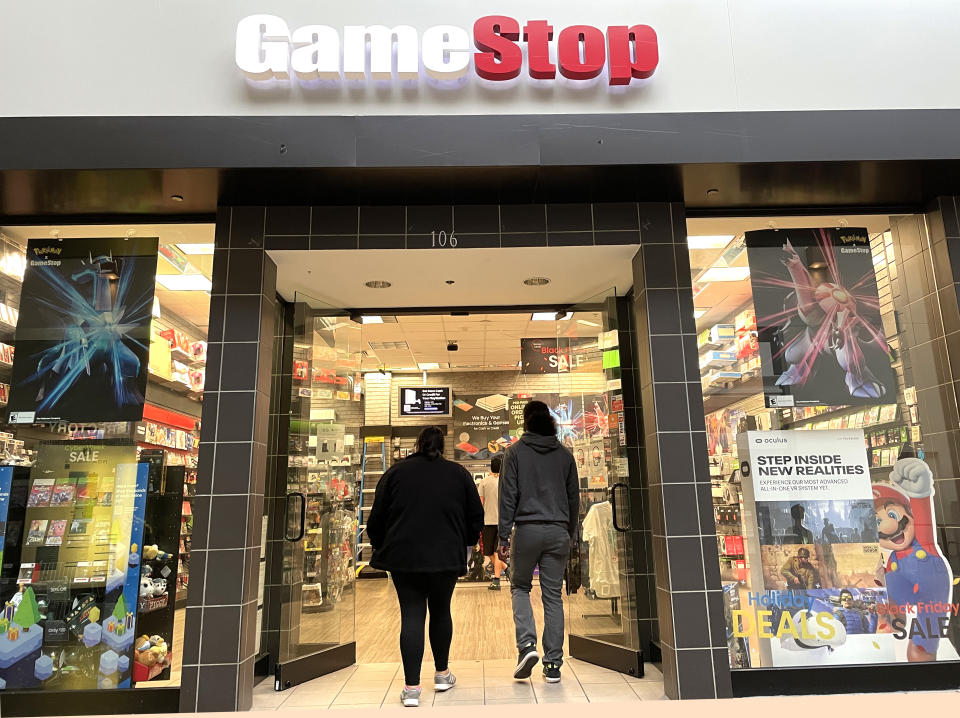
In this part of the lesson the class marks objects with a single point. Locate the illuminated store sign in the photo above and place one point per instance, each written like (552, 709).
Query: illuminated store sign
(266, 49)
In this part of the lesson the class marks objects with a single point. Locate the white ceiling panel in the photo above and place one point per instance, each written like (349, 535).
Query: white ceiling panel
(483, 277)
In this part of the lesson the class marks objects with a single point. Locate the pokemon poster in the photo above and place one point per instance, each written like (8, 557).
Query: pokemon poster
(818, 318)
(83, 337)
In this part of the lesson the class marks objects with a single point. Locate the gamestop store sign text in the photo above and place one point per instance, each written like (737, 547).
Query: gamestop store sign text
(497, 48)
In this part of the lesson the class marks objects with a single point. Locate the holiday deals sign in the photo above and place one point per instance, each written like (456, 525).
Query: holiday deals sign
(824, 585)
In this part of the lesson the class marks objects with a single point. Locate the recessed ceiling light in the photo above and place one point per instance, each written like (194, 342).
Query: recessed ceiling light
(713, 192)
(378, 284)
(550, 316)
(697, 313)
(587, 323)
(196, 248)
(428, 365)
(536, 281)
(371, 320)
(709, 241)
(725, 274)
(184, 282)
(177, 197)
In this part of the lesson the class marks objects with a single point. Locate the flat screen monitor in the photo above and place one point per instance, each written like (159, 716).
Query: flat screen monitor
(424, 401)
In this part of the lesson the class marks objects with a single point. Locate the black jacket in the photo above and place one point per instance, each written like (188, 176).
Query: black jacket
(538, 484)
(425, 514)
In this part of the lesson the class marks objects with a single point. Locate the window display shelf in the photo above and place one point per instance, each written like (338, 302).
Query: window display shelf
(722, 398)
(176, 386)
(187, 358)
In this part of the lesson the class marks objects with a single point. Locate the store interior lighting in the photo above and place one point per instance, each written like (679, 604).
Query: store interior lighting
(698, 312)
(711, 241)
(371, 319)
(196, 248)
(725, 274)
(184, 282)
(550, 316)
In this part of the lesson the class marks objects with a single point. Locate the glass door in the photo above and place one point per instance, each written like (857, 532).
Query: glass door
(319, 509)
(602, 611)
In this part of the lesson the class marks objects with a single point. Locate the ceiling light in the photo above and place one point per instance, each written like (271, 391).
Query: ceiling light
(725, 274)
(378, 284)
(196, 248)
(709, 241)
(177, 197)
(697, 313)
(371, 320)
(424, 366)
(156, 306)
(536, 281)
(587, 323)
(184, 282)
(550, 316)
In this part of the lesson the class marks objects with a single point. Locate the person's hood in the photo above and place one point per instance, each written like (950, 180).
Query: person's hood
(541, 444)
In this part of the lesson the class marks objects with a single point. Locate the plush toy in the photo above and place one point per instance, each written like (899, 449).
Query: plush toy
(147, 658)
(159, 647)
(146, 587)
(153, 553)
(159, 586)
(150, 650)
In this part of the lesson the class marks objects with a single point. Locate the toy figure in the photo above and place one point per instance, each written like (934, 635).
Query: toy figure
(916, 571)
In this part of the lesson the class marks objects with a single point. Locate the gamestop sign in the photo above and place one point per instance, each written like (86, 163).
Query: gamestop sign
(497, 48)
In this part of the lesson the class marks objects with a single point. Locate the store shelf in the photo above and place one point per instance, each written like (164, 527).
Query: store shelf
(722, 398)
(185, 358)
(166, 448)
(175, 386)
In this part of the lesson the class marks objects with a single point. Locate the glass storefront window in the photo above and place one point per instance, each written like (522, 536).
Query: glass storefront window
(102, 363)
(832, 438)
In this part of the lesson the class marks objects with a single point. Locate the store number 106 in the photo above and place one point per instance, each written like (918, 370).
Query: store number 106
(442, 239)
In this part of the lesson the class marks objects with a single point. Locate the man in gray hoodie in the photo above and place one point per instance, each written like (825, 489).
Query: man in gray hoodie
(540, 502)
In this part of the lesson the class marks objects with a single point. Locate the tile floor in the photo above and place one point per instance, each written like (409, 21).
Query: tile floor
(373, 685)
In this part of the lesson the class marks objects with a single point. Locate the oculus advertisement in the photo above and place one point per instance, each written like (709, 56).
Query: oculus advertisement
(844, 569)
(83, 337)
(818, 318)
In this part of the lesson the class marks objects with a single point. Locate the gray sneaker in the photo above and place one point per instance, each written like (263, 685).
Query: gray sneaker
(410, 697)
(443, 683)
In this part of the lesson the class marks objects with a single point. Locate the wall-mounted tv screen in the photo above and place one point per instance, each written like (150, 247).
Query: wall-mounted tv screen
(424, 401)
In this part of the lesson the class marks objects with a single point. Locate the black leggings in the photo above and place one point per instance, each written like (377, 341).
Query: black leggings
(416, 591)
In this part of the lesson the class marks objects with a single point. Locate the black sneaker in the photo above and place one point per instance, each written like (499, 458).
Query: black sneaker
(494, 584)
(551, 672)
(526, 660)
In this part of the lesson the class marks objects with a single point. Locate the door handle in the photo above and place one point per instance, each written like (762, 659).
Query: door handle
(613, 506)
(303, 515)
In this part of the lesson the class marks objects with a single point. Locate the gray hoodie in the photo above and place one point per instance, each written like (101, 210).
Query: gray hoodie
(538, 484)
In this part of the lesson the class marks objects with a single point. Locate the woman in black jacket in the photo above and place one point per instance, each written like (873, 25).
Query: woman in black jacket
(425, 514)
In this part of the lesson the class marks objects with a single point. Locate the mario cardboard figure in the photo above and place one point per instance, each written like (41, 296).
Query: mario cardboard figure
(916, 571)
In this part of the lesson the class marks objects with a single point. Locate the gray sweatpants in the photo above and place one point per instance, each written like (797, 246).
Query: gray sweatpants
(547, 545)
